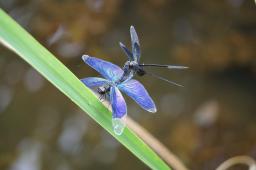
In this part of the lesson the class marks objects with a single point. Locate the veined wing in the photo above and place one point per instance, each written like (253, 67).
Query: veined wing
(108, 70)
(138, 93)
(126, 51)
(119, 110)
(117, 102)
(94, 81)
(135, 44)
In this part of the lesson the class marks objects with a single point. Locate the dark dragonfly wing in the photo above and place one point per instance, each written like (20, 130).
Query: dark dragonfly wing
(135, 44)
(108, 70)
(126, 51)
(138, 93)
(136, 52)
(94, 81)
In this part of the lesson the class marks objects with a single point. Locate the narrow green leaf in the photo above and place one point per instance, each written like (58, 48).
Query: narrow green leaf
(17, 39)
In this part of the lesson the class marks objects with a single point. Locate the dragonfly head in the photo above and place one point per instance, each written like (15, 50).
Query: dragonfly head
(140, 71)
(134, 65)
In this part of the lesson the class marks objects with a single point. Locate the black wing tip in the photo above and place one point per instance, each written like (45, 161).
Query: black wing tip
(85, 57)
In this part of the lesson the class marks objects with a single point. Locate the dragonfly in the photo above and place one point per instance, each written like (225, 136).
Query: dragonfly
(111, 86)
(133, 66)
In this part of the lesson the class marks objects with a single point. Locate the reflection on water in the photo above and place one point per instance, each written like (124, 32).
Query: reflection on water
(5, 97)
(56, 36)
(207, 114)
(13, 72)
(172, 104)
(33, 81)
(209, 120)
(69, 50)
(106, 151)
(70, 140)
(29, 156)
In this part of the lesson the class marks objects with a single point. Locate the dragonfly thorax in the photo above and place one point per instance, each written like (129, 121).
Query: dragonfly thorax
(103, 89)
(134, 66)
(133, 63)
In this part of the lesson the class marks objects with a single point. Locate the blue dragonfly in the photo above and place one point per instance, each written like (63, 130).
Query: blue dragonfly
(133, 66)
(111, 85)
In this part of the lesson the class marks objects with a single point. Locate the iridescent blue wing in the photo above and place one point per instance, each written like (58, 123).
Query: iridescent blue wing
(126, 51)
(138, 93)
(117, 102)
(119, 110)
(108, 70)
(94, 81)
(135, 44)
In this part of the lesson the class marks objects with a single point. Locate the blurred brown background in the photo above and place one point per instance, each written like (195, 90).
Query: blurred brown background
(209, 120)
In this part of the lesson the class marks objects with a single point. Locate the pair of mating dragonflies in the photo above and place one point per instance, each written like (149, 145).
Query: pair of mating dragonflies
(117, 79)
